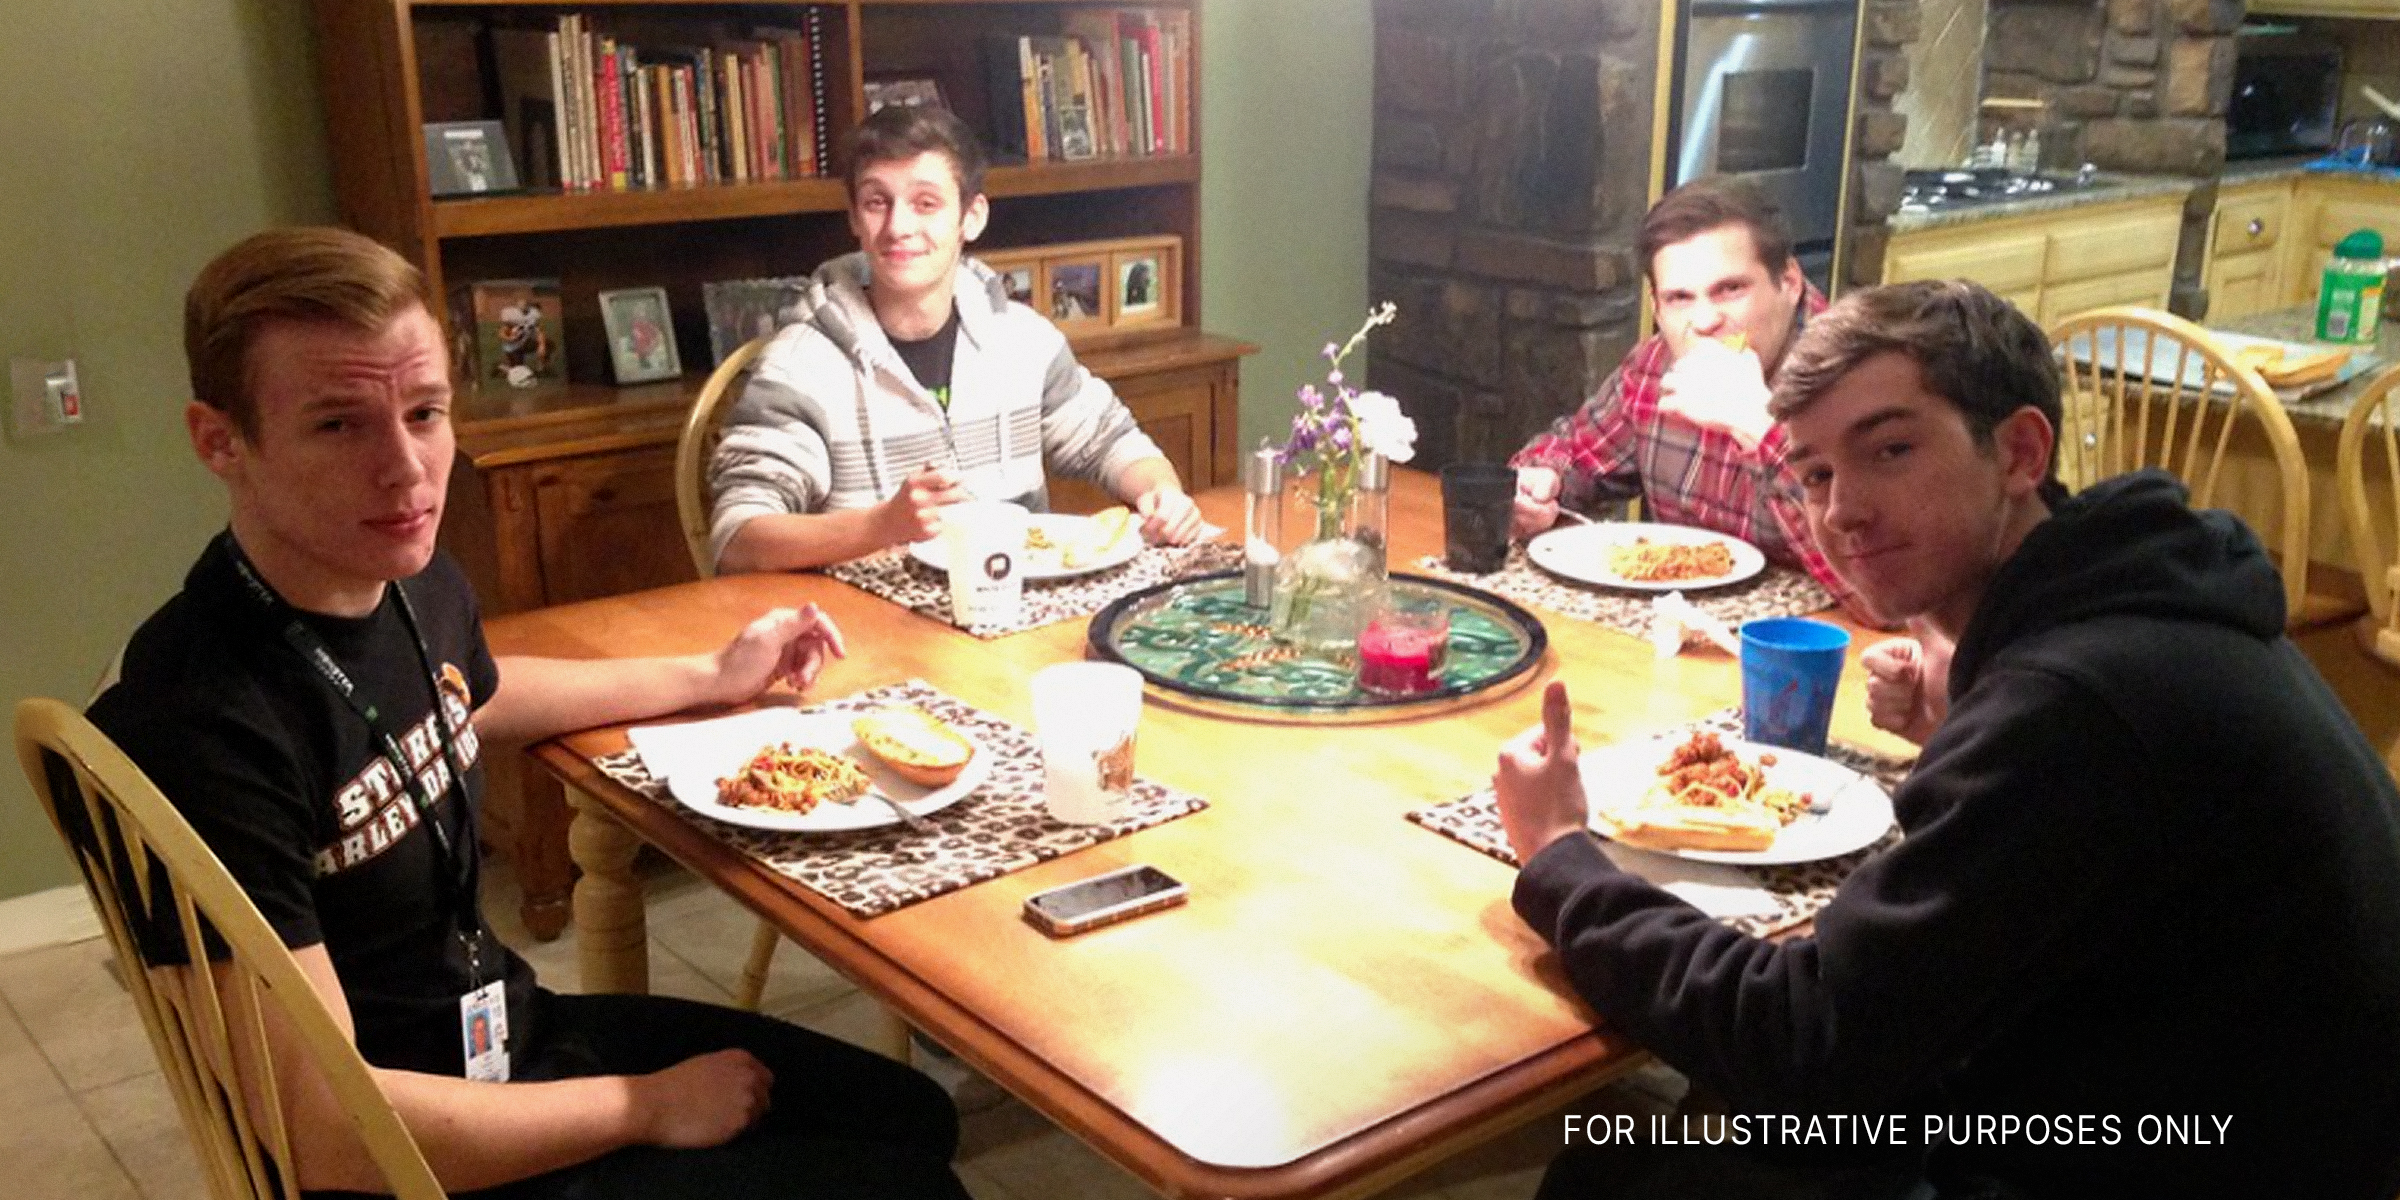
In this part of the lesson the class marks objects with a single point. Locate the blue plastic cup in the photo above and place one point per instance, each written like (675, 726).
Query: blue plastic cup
(1791, 667)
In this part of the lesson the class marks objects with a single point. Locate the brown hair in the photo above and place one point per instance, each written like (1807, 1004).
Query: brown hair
(1713, 203)
(899, 132)
(309, 273)
(1971, 347)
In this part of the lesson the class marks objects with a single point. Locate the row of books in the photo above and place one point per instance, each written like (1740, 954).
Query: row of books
(587, 111)
(1117, 82)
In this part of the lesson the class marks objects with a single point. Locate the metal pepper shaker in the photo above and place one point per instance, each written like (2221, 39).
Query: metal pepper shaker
(1262, 523)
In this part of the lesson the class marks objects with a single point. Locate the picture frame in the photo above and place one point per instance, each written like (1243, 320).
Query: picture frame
(1094, 290)
(740, 310)
(1146, 277)
(468, 158)
(508, 333)
(909, 90)
(1020, 273)
(641, 334)
(1076, 292)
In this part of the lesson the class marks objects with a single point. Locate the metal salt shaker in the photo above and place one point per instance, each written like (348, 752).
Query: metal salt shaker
(1262, 524)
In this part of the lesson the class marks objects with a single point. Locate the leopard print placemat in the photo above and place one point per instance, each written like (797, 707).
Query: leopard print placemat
(900, 578)
(1797, 891)
(1778, 591)
(999, 828)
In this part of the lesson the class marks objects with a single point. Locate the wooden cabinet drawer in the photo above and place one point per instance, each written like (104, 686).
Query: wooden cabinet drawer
(2338, 218)
(2247, 223)
(2145, 287)
(2115, 245)
(2006, 264)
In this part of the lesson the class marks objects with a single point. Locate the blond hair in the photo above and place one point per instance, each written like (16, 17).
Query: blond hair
(304, 273)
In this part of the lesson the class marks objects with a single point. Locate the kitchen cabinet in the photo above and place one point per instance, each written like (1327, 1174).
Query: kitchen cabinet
(2324, 210)
(2055, 263)
(2245, 249)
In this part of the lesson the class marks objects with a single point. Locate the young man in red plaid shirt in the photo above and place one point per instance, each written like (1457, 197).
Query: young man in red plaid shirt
(1682, 422)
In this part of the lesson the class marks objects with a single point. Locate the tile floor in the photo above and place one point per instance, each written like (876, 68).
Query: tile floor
(93, 1120)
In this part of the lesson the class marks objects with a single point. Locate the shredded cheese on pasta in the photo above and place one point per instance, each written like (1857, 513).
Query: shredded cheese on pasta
(792, 780)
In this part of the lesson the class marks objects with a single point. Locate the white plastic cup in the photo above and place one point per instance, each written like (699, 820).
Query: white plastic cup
(984, 544)
(1085, 715)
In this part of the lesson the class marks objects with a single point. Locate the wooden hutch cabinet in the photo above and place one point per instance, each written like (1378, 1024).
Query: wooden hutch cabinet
(566, 492)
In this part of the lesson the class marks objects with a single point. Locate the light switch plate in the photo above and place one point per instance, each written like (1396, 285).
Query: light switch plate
(49, 397)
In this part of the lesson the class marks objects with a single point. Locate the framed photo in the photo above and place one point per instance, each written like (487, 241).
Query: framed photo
(904, 90)
(641, 334)
(468, 158)
(508, 332)
(1020, 273)
(740, 310)
(1094, 290)
(1078, 292)
(1148, 279)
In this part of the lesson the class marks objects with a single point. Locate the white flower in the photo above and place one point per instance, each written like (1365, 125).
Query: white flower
(1382, 429)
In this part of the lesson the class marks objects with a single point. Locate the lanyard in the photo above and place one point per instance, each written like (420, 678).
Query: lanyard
(454, 882)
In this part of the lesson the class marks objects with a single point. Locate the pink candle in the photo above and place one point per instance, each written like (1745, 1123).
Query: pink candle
(1401, 653)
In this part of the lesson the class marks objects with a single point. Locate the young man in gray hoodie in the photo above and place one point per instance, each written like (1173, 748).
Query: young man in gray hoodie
(913, 382)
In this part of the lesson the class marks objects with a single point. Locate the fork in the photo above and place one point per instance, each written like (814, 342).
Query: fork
(915, 823)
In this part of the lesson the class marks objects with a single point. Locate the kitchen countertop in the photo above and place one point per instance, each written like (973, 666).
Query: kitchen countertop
(2267, 170)
(2110, 189)
(2299, 324)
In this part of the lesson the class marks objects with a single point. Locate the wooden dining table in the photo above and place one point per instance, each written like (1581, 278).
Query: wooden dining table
(1347, 997)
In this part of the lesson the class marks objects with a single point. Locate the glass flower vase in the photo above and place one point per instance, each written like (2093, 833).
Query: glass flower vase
(1327, 587)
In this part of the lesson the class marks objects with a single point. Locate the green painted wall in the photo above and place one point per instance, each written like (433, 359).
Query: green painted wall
(140, 139)
(1286, 111)
(189, 125)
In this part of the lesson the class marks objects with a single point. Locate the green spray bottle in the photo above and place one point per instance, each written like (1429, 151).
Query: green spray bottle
(2350, 302)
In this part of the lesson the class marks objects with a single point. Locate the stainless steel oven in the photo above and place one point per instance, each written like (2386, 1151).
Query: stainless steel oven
(1762, 90)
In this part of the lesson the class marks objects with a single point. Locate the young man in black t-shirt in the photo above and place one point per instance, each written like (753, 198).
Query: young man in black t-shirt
(315, 702)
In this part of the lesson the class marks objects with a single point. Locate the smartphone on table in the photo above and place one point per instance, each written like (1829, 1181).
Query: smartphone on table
(1102, 900)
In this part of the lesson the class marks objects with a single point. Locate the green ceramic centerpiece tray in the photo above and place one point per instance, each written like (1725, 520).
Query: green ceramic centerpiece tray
(1197, 641)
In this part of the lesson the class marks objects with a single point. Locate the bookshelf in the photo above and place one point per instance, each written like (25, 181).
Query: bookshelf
(565, 493)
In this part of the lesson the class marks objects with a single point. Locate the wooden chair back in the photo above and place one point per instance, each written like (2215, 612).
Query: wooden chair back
(146, 870)
(2367, 477)
(693, 500)
(2144, 388)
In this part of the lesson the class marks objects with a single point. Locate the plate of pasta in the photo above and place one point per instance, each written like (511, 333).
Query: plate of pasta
(793, 772)
(1712, 798)
(1645, 557)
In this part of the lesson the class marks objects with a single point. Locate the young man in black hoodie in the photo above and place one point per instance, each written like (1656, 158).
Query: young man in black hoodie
(2150, 872)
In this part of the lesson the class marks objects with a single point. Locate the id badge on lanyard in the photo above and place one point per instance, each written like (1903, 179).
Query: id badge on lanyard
(483, 1032)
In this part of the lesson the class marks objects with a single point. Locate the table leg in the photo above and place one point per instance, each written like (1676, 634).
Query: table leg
(611, 931)
(891, 1035)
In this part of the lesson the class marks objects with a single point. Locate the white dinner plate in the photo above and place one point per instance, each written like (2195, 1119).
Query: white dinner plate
(1062, 529)
(696, 764)
(1580, 553)
(1856, 811)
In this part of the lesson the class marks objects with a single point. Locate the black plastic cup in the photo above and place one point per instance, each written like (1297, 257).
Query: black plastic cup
(1476, 502)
